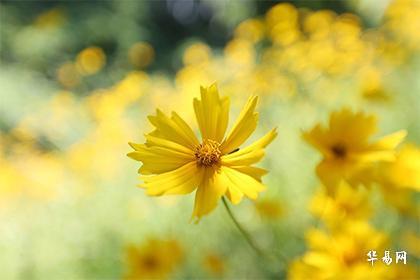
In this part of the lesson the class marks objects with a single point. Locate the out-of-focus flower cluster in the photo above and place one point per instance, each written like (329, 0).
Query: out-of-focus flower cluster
(349, 166)
(63, 164)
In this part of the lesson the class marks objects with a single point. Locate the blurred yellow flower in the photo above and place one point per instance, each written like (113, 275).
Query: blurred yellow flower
(251, 30)
(402, 20)
(318, 24)
(283, 24)
(400, 180)
(141, 54)
(50, 19)
(347, 204)
(68, 75)
(411, 241)
(196, 54)
(347, 153)
(155, 259)
(90, 60)
(175, 162)
(214, 264)
(371, 85)
(403, 200)
(241, 53)
(269, 209)
(342, 254)
(405, 171)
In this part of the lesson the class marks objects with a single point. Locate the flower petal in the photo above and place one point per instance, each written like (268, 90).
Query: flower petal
(135, 146)
(161, 142)
(234, 194)
(208, 193)
(252, 153)
(382, 150)
(320, 139)
(186, 129)
(212, 113)
(390, 141)
(254, 172)
(180, 181)
(157, 159)
(174, 129)
(238, 181)
(352, 128)
(330, 173)
(243, 127)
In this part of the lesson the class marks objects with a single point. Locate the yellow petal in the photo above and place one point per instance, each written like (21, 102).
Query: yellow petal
(234, 194)
(321, 261)
(243, 127)
(180, 181)
(382, 150)
(330, 173)
(208, 193)
(405, 171)
(161, 142)
(186, 129)
(345, 128)
(252, 153)
(254, 172)
(390, 141)
(320, 139)
(212, 113)
(135, 146)
(374, 156)
(173, 129)
(158, 160)
(238, 181)
(350, 127)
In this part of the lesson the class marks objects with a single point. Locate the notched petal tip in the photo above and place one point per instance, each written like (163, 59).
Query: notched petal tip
(275, 132)
(133, 145)
(194, 219)
(253, 99)
(391, 141)
(133, 155)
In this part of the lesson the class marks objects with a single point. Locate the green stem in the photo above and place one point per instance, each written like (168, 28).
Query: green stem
(244, 233)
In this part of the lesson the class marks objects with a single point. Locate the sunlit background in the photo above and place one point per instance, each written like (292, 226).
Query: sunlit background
(78, 79)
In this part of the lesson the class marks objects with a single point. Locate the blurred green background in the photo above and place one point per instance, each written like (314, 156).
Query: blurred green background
(78, 78)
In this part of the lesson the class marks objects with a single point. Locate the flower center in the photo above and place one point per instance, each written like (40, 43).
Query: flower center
(150, 262)
(208, 153)
(350, 258)
(339, 151)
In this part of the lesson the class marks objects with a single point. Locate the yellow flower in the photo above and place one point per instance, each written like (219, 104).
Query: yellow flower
(175, 162)
(347, 152)
(400, 180)
(214, 264)
(405, 171)
(270, 209)
(342, 254)
(411, 241)
(154, 259)
(403, 200)
(347, 204)
(90, 60)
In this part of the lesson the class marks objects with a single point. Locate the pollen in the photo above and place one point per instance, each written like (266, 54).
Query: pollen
(208, 153)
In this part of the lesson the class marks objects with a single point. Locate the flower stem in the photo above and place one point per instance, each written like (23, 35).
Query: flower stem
(244, 233)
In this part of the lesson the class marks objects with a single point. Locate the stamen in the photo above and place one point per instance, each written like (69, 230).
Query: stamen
(208, 153)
